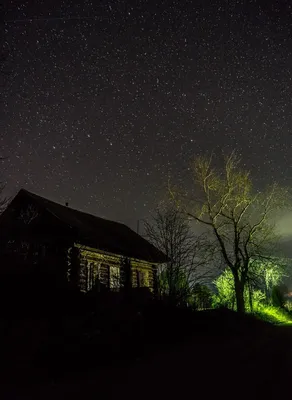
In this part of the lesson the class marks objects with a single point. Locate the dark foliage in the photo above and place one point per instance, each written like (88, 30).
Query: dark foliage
(66, 335)
(278, 296)
(126, 274)
(202, 297)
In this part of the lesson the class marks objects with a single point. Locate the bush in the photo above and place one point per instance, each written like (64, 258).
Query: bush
(277, 297)
(201, 297)
(225, 296)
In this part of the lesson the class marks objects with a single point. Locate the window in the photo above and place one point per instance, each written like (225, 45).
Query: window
(141, 279)
(92, 274)
(104, 274)
(114, 277)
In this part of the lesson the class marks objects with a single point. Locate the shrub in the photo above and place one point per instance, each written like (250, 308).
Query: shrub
(225, 296)
(201, 297)
(277, 297)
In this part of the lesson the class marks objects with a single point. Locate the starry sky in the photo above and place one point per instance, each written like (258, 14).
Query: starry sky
(103, 101)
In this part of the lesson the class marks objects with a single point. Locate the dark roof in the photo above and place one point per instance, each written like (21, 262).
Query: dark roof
(100, 233)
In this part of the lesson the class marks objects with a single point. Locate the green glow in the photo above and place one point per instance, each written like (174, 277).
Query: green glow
(263, 278)
(225, 296)
(274, 315)
(261, 301)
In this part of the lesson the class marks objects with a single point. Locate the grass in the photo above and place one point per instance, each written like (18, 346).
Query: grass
(274, 315)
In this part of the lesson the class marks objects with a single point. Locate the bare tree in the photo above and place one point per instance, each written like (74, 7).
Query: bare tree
(188, 254)
(239, 219)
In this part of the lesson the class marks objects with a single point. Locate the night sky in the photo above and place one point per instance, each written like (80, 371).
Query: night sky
(103, 101)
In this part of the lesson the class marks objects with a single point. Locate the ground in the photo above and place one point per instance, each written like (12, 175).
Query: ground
(218, 353)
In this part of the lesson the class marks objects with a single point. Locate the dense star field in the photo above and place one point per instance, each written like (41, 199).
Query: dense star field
(101, 103)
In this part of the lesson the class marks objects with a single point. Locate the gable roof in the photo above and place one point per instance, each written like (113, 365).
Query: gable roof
(100, 233)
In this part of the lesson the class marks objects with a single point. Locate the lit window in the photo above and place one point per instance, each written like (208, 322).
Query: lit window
(114, 277)
(141, 279)
(93, 274)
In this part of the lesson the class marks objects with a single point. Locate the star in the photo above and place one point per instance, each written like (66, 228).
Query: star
(113, 101)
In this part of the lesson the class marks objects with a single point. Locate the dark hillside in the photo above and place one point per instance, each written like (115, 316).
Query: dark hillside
(154, 353)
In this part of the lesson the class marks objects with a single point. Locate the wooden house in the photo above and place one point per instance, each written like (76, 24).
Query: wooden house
(73, 246)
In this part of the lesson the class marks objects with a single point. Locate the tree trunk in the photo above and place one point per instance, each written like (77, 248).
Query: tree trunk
(250, 296)
(239, 294)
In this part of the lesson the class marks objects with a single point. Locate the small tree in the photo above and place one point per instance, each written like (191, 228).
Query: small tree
(188, 255)
(225, 293)
(202, 297)
(265, 274)
(240, 220)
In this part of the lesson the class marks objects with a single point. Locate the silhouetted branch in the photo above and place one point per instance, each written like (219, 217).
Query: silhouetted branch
(239, 219)
(189, 255)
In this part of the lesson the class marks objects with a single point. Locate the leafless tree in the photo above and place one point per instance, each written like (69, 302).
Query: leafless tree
(188, 254)
(240, 220)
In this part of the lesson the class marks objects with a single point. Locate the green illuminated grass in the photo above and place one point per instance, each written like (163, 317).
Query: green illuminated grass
(274, 315)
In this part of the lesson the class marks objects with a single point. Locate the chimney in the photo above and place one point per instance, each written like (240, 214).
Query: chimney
(67, 204)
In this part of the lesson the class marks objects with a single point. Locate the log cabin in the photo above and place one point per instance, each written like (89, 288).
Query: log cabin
(71, 246)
